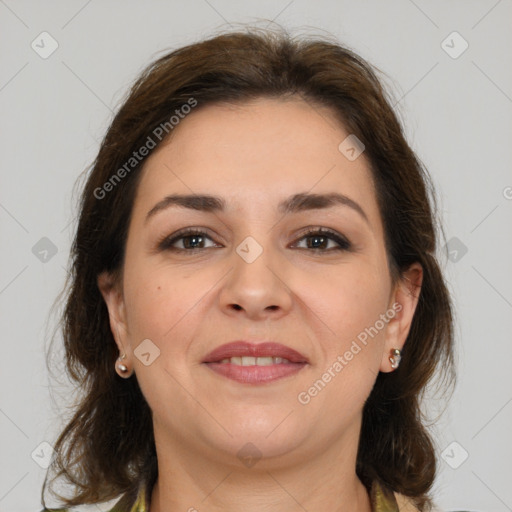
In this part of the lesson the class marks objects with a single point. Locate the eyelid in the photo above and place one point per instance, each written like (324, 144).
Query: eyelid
(165, 242)
(344, 243)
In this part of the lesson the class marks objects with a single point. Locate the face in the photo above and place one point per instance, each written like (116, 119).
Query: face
(252, 271)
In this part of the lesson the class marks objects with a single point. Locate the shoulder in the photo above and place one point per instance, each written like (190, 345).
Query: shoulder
(132, 501)
(82, 508)
(109, 507)
(404, 503)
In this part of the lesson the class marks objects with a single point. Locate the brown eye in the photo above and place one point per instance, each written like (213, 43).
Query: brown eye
(191, 240)
(321, 237)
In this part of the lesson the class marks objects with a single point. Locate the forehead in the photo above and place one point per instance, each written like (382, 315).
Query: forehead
(254, 155)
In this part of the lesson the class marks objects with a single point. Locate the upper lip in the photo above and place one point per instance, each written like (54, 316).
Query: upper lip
(264, 349)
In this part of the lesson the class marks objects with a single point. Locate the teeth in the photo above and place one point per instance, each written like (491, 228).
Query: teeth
(254, 361)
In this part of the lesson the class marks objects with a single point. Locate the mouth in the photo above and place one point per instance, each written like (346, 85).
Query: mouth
(255, 363)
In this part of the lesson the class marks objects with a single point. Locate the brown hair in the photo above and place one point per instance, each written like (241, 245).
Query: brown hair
(108, 445)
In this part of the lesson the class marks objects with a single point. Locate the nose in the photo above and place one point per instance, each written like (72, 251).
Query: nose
(256, 285)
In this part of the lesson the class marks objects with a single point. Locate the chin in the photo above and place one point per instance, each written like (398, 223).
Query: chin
(267, 436)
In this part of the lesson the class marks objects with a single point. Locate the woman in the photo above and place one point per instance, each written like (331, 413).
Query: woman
(255, 305)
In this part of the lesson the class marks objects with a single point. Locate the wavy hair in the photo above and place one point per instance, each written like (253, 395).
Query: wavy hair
(107, 446)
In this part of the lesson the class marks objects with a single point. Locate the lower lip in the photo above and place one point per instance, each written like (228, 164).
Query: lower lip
(256, 374)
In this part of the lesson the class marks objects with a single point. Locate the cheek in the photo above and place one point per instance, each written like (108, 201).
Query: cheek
(156, 300)
(354, 298)
(168, 305)
(349, 362)
(160, 307)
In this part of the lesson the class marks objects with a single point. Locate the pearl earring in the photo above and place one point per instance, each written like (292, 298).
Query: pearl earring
(122, 367)
(395, 358)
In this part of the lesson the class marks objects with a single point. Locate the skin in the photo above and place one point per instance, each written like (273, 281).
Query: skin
(255, 155)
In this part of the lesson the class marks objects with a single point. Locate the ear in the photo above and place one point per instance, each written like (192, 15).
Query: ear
(404, 300)
(113, 296)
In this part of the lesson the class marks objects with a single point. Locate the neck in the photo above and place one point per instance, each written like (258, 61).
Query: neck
(192, 481)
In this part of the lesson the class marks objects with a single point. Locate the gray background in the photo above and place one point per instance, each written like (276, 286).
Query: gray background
(457, 115)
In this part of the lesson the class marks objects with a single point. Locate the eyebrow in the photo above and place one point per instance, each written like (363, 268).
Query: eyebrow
(296, 203)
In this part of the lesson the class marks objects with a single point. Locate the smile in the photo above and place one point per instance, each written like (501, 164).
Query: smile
(254, 361)
(255, 370)
(250, 363)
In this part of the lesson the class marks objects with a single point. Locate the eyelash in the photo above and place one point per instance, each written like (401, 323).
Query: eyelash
(166, 243)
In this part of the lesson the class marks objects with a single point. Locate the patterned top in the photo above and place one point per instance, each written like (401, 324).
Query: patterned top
(382, 500)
